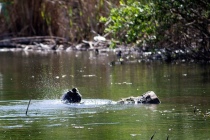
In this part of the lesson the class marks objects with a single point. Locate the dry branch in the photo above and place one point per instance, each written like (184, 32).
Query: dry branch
(14, 42)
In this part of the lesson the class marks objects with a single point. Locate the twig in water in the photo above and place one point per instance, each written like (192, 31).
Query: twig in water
(152, 136)
(195, 110)
(167, 137)
(28, 106)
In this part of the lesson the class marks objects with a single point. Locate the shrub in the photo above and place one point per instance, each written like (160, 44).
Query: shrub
(132, 22)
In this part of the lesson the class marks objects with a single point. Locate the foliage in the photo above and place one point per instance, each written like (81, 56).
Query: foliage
(132, 22)
(180, 24)
(171, 24)
(185, 25)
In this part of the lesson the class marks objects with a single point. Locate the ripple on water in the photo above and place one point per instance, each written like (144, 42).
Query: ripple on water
(46, 108)
(13, 112)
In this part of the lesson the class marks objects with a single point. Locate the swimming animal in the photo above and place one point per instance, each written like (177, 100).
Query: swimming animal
(73, 96)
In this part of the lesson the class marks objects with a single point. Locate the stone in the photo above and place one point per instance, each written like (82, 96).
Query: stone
(147, 98)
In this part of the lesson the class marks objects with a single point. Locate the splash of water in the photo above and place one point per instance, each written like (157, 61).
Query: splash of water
(50, 107)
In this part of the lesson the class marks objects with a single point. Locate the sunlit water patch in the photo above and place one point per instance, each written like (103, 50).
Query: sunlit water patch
(49, 107)
(13, 112)
(12, 109)
(55, 113)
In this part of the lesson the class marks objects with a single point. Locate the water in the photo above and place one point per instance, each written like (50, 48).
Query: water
(44, 77)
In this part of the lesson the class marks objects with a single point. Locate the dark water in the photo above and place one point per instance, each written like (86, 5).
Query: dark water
(44, 77)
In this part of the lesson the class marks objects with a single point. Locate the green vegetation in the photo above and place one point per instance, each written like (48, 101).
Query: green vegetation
(132, 22)
(183, 25)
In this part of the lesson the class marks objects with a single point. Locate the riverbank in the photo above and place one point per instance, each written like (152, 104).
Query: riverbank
(74, 25)
(99, 44)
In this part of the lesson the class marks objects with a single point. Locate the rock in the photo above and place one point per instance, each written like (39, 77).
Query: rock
(147, 98)
(82, 47)
(70, 48)
(99, 38)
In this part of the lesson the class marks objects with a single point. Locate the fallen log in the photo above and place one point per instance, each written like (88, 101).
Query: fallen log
(17, 41)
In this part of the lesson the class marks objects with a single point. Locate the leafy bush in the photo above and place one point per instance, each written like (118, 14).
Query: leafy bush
(132, 22)
(177, 24)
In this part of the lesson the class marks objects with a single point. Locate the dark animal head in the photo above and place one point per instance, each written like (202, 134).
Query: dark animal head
(74, 90)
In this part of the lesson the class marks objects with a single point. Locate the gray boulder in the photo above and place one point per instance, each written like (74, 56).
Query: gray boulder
(147, 98)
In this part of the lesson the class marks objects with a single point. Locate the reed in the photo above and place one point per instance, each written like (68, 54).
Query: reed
(71, 19)
(28, 107)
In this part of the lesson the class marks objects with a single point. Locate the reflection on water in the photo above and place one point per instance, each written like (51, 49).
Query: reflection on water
(44, 77)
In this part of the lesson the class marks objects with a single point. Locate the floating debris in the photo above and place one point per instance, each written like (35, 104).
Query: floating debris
(89, 75)
(195, 110)
(167, 137)
(28, 106)
(63, 76)
(57, 77)
(152, 136)
(184, 74)
(78, 127)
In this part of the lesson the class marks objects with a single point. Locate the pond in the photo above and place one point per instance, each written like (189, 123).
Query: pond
(43, 77)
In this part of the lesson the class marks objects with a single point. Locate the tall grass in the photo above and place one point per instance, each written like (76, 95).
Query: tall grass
(72, 19)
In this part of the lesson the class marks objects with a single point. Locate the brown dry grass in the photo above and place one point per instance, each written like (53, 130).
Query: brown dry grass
(71, 19)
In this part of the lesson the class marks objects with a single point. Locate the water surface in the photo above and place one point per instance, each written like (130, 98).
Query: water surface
(44, 77)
